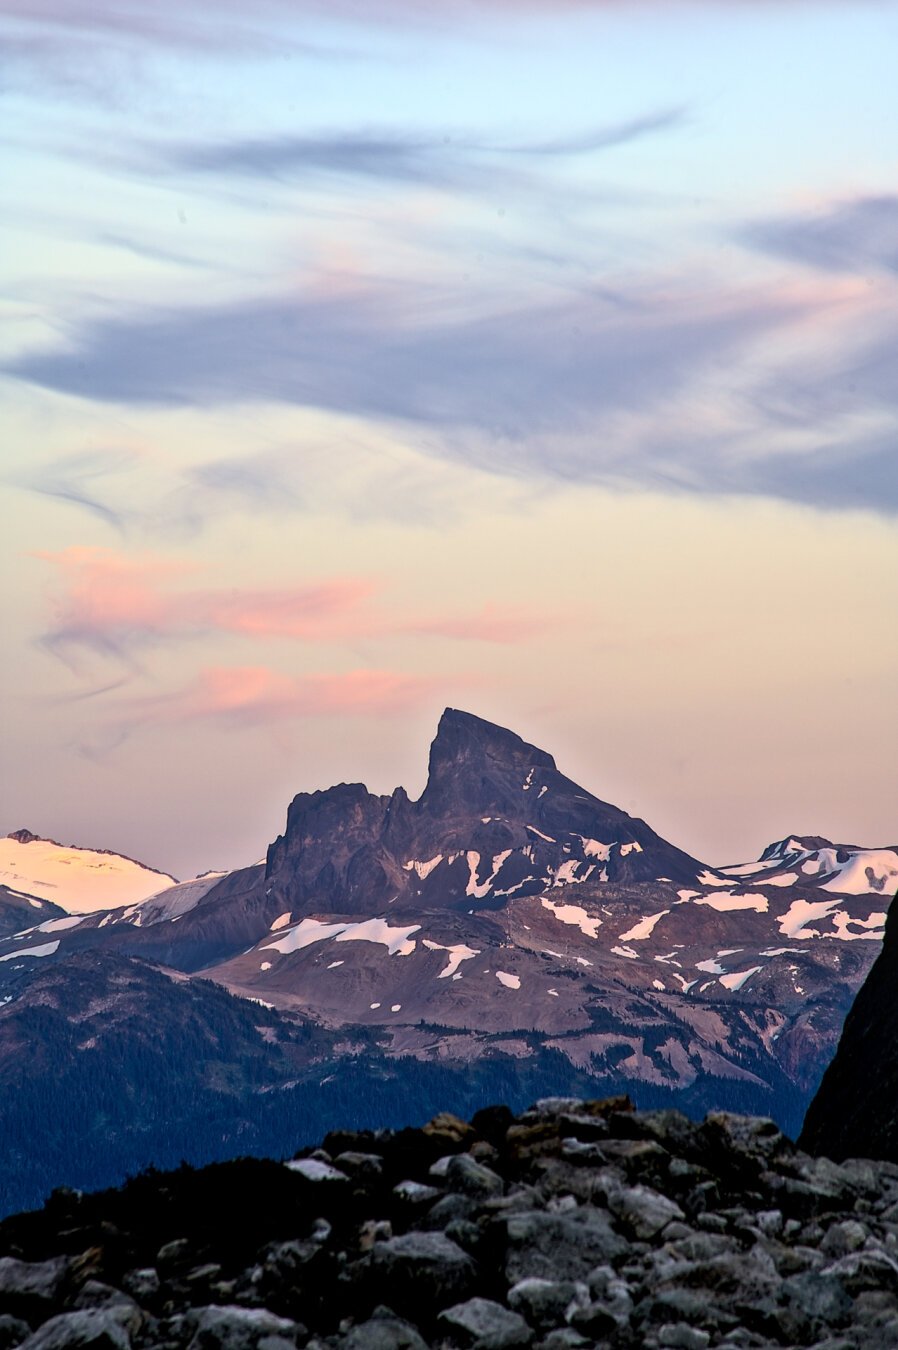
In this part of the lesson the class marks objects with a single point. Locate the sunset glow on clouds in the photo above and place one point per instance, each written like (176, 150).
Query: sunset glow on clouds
(362, 359)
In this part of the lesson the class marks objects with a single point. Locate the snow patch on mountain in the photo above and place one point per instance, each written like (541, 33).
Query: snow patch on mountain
(456, 954)
(727, 901)
(738, 978)
(575, 915)
(398, 941)
(424, 869)
(47, 949)
(643, 928)
(82, 880)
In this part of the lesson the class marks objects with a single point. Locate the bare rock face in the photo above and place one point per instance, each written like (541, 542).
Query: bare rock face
(490, 794)
(855, 1111)
(601, 1227)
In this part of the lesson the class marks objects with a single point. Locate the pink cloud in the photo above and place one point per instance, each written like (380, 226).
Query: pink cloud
(250, 695)
(113, 605)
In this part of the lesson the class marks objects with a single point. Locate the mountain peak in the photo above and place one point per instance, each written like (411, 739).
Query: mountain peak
(462, 735)
(472, 760)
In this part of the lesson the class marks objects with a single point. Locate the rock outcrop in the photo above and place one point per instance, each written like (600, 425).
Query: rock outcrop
(855, 1111)
(575, 1224)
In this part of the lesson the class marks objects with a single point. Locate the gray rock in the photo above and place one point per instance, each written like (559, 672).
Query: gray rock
(383, 1333)
(421, 1272)
(88, 1329)
(174, 1252)
(235, 1328)
(416, 1193)
(843, 1238)
(364, 1166)
(865, 1270)
(547, 1303)
(317, 1171)
(681, 1336)
(608, 1288)
(644, 1211)
(481, 1324)
(29, 1285)
(565, 1338)
(95, 1294)
(448, 1209)
(469, 1177)
(142, 1284)
(815, 1303)
(559, 1246)
(12, 1331)
(769, 1221)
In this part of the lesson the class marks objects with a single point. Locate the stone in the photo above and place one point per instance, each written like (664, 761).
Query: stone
(864, 1270)
(235, 1328)
(450, 1128)
(421, 1272)
(643, 1211)
(814, 1304)
(88, 1329)
(143, 1284)
(383, 1333)
(318, 1172)
(559, 1246)
(681, 1336)
(12, 1331)
(30, 1285)
(174, 1252)
(843, 1238)
(482, 1324)
(416, 1193)
(469, 1177)
(547, 1303)
(364, 1166)
(564, 1338)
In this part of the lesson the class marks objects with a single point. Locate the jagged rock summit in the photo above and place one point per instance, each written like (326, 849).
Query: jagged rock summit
(496, 819)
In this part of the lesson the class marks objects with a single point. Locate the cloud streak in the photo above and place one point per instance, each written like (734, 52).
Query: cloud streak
(859, 236)
(444, 161)
(114, 606)
(388, 354)
(74, 480)
(246, 696)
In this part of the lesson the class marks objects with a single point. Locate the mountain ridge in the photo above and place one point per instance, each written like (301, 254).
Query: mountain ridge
(508, 926)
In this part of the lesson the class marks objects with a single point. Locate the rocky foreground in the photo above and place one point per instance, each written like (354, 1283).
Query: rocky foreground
(577, 1223)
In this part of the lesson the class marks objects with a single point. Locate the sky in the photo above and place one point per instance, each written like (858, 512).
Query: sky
(532, 357)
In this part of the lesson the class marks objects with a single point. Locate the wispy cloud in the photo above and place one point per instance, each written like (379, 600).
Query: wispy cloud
(682, 383)
(76, 480)
(387, 353)
(237, 698)
(454, 161)
(859, 236)
(250, 695)
(114, 606)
